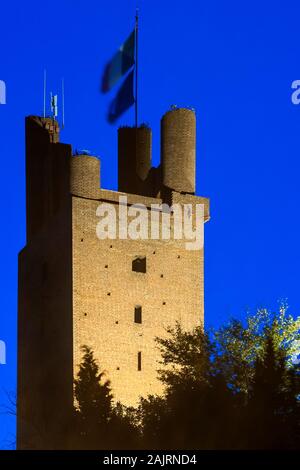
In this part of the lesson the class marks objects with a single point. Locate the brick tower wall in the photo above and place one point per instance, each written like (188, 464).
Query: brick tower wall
(76, 290)
(45, 359)
(178, 150)
(106, 291)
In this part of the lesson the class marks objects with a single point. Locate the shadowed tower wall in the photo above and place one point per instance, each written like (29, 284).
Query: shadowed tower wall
(45, 292)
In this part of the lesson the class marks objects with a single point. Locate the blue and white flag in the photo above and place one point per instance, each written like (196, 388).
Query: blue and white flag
(2, 92)
(122, 61)
(123, 100)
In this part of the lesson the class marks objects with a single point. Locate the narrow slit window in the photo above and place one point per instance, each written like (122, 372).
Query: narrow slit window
(138, 314)
(139, 360)
(139, 264)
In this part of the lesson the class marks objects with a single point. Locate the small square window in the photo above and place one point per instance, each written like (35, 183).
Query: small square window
(139, 264)
(138, 314)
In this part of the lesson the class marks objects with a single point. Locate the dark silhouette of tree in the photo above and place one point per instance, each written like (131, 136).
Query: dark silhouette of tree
(238, 388)
(235, 388)
(94, 399)
(273, 401)
(124, 430)
(196, 396)
(153, 422)
(99, 423)
(185, 354)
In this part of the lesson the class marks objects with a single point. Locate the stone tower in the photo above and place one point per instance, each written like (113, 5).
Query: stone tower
(115, 295)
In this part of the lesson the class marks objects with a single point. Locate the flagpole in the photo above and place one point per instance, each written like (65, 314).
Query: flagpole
(136, 65)
(45, 84)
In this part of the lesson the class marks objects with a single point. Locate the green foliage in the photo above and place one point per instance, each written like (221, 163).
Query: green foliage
(185, 355)
(240, 344)
(235, 388)
(196, 395)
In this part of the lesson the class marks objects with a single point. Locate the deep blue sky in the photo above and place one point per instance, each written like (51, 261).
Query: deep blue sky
(234, 63)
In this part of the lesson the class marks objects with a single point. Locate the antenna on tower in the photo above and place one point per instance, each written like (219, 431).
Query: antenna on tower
(54, 107)
(45, 84)
(54, 102)
(63, 101)
(136, 29)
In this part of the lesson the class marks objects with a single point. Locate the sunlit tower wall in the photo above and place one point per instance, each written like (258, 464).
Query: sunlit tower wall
(178, 150)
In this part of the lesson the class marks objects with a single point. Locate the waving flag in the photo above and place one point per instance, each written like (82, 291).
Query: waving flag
(123, 100)
(2, 92)
(122, 61)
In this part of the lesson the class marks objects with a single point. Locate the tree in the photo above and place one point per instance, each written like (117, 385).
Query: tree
(194, 411)
(239, 344)
(236, 388)
(184, 354)
(124, 428)
(152, 420)
(94, 402)
(100, 423)
(273, 400)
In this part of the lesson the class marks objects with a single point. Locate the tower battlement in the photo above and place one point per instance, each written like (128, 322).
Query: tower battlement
(52, 172)
(85, 176)
(178, 150)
